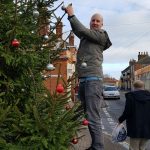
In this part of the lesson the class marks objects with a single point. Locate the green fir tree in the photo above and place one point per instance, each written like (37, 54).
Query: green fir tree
(31, 118)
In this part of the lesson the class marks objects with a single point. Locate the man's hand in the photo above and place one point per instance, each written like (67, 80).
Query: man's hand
(69, 10)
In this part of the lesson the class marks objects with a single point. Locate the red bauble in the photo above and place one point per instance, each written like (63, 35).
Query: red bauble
(76, 89)
(60, 88)
(15, 43)
(85, 122)
(74, 141)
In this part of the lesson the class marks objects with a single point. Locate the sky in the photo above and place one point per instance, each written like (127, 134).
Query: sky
(127, 23)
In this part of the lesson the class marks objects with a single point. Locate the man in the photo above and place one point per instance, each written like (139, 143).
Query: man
(137, 116)
(93, 42)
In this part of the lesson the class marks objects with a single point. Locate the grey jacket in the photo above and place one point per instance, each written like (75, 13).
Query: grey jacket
(92, 45)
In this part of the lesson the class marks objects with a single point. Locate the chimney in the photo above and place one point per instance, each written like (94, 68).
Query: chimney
(44, 29)
(142, 55)
(132, 62)
(59, 29)
(71, 39)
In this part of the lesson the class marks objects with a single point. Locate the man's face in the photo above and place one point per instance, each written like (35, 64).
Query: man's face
(96, 22)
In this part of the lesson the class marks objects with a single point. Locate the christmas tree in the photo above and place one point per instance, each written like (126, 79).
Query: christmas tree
(32, 118)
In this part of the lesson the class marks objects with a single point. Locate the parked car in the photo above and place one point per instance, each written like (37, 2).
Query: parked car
(110, 92)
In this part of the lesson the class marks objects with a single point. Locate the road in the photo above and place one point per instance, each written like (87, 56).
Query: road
(110, 115)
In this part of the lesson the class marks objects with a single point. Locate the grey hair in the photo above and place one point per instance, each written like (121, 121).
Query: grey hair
(97, 14)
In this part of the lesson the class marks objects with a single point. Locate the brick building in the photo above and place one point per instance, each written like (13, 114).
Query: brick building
(144, 72)
(110, 81)
(65, 64)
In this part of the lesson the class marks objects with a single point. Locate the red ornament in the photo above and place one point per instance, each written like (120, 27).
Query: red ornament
(74, 141)
(76, 89)
(15, 43)
(85, 122)
(60, 88)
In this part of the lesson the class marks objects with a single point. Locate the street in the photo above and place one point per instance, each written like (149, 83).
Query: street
(110, 115)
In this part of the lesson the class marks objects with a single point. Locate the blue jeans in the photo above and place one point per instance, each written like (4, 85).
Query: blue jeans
(90, 94)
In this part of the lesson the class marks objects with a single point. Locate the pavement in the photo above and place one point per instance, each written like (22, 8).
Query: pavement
(84, 141)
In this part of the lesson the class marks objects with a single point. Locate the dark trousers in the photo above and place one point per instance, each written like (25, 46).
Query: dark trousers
(90, 94)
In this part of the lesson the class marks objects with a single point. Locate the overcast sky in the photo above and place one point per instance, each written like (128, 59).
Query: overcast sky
(127, 23)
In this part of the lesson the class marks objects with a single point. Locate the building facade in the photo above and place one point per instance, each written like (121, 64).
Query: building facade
(144, 73)
(128, 74)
